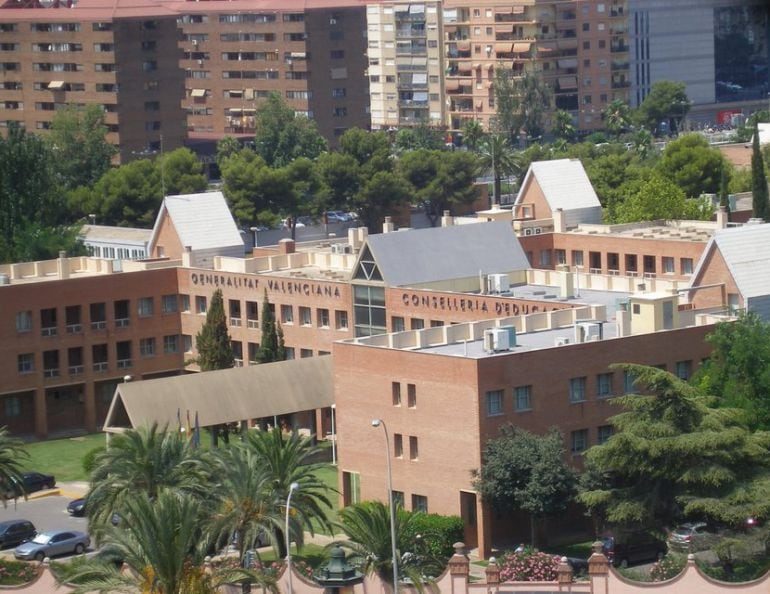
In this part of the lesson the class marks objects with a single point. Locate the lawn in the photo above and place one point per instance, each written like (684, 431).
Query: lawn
(62, 458)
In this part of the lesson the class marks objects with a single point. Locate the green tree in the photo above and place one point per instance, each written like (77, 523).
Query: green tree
(659, 198)
(536, 99)
(736, 373)
(304, 184)
(760, 202)
(35, 241)
(227, 147)
(367, 528)
(12, 455)
(213, 342)
(420, 137)
(693, 165)
(340, 176)
(673, 456)
(498, 158)
(242, 173)
(78, 141)
(370, 149)
(147, 460)
(667, 103)
(473, 132)
(562, 126)
(163, 552)
(268, 346)
(283, 136)
(527, 472)
(617, 117)
(724, 191)
(608, 174)
(181, 172)
(380, 195)
(288, 459)
(508, 118)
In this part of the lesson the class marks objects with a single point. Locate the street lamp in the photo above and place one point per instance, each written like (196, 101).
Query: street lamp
(334, 437)
(254, 231)
(391, 503)
(293, 487)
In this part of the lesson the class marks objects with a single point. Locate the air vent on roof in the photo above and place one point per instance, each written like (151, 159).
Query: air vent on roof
(498, 283)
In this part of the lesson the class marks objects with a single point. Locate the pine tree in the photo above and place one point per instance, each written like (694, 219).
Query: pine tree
(268, 347)
(215, 350)
(280, 352)
(760, 202)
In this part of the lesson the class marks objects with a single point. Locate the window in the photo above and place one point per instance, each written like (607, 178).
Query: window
(337, 55)
(252, 314)
(145, 306)
(577, 258)
(522, 398)
(171, 343)
(417, 324)
(414, 452)
(577, 389)
(123, 352)
(121, 309)
(411, 395)
(398, 498)
(185, 303)
(51, 363)
(397, 324)
(26, 362)
(305, 353)
(683, 370)
(290, 353)
(338, 93)
(187, 343)
(420, 503)
(668, 265)
(341, 320)
(287, 314)
(603, 433)
(579, 441)
(48, 321)
(147, 347)
(396, 390)
(494, 403)
(398, 445)
(234, 305)
(200, 304)
(98, 316)
(586, 26)
(305, 316)
(604, 385)
(686, 265)
(12, 406)
(24, 321)
(629, 383)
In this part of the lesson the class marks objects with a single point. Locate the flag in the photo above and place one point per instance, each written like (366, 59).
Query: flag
(197, 433)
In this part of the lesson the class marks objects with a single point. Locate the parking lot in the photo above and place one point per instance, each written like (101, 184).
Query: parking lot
(46, 513)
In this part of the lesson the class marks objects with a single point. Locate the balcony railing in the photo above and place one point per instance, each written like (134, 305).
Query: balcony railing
(49, 373)
(235, 321)
(101, 366)
(75, 369)
(50, 331)
(124, 363)
(122, 322)
(74, 328)
(100, 325)
(621, 47)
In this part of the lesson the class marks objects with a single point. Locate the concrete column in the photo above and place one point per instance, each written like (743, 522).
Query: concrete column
(41, 414)
(723, 217)
(89, 404)
(559, 221)
(388, 226)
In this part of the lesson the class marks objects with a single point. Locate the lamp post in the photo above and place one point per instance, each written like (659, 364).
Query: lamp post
(254, 231)
(391, 503)
(334, 437)
(293, 487)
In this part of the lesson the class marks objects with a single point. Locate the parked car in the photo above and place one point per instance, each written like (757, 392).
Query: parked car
(691, 537)
(52, 543)
(77, 507)
(337, 216)
(624, 548)
(15, 532)
(37, 481)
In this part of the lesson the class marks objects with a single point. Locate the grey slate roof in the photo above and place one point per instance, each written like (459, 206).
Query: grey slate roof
(202, 221)
(746, 252)
(565, 185)
(228, 395)
(418, 256)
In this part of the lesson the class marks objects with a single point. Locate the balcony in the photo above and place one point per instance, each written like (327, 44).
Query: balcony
(618, 66)
(621, 84)
(409, 32)
(413, 103)
(619, 48)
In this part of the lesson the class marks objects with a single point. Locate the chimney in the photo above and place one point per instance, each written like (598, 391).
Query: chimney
(187, 257)
(559, 221)
(62, 265)
(388, 226)
(363, 233)
(353, 238)
(286, 246)
(566, 282)
(723, 217)
(447, 220)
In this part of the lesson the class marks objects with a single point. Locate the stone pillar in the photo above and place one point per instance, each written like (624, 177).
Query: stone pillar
(89, 406)
(286, 246)
(459, 568)
(564, 572)
(41, 414)
(492, 574)
(598, 566)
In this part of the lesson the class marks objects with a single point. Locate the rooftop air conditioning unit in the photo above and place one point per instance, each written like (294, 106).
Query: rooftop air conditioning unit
(342, 248)
(498, 283)
(499, 339)
(561, 340)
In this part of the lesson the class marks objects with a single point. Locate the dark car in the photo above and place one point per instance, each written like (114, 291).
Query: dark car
(624, 548)
(37, 481)
(15, 532)
(77, 507)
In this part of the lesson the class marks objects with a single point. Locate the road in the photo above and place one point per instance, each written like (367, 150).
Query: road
(46, 513)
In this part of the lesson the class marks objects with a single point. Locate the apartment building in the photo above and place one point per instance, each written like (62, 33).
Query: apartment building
(119, 57)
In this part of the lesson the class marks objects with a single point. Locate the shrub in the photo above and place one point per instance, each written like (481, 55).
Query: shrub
(90, 458)
(437, 534)
(669, 567)
(528, 566)
(14, 573)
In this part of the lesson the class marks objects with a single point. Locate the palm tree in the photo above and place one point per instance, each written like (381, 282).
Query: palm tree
(473, 132)
(367, 527)
(617, 116)
(287, 459)
(498, 158)
(145, 460)
(243, 503)
(163, 550)
(12, 453)
(562, 126)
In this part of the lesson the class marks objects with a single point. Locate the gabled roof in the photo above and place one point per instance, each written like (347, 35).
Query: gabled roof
(746, 252)
(564, 182)
(418, 256)
(202, 221)
(226, 396)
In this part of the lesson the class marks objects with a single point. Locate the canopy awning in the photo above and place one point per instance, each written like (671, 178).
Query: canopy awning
(567, 82)
(198, 93)
(521, 47)
(518, 10)
(503, 9)
(56, 85)
(452, 85)
(463, 46)
(504, 48)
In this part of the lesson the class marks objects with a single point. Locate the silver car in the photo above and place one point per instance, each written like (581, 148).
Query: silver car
(52, 543)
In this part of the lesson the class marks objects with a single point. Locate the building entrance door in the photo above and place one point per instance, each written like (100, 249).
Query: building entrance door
(470, 519)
